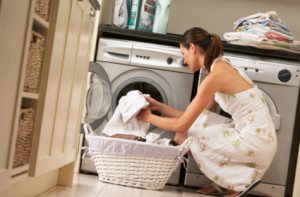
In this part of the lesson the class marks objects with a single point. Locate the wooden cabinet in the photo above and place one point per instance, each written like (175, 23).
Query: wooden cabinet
(11, 57)
(66, 80)
(44, 56)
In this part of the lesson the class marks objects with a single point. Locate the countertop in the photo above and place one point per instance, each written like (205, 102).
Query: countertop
(173, 40)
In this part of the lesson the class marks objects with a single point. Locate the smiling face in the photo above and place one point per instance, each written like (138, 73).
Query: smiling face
(193, 57)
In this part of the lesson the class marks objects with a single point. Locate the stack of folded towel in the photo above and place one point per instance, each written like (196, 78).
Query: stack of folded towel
(263, 30)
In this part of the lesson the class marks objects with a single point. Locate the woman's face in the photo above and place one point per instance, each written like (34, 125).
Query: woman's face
(193, 57)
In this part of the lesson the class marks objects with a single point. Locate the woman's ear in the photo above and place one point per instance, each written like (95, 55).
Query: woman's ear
(192, 48)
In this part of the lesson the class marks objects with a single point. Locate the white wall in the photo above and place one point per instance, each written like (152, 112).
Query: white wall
(218, 15)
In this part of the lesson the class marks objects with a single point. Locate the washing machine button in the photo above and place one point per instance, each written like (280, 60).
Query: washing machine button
(169, 60)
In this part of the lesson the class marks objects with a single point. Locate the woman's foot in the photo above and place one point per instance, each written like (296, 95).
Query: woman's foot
(208, 189)
(244, 193)
(233, 194)
(213, 189)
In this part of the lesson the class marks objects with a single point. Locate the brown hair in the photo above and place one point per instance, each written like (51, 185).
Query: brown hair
(211, 44)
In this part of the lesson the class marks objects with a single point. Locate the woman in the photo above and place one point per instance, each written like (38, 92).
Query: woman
(233, 153)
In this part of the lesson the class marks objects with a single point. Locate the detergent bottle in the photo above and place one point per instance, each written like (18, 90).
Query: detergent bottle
(147, 14)
(133, 13)
(161, 16)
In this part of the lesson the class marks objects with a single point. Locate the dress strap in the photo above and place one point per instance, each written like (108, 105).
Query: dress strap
(222, 58)
(241, 72)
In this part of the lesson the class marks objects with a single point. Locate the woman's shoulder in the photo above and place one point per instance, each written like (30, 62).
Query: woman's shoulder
(220, 63)
(218, 76)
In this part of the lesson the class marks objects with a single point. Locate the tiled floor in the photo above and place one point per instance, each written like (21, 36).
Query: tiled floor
(90, 186)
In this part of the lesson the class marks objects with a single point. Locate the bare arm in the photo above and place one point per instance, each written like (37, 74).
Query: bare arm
(163, 108)
(170, 111)
(182, 123)
(211, 104)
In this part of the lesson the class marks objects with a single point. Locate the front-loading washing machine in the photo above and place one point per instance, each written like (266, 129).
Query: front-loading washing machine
(122, 66)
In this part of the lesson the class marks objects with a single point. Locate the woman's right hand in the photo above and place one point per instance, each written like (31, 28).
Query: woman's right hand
(153, 104)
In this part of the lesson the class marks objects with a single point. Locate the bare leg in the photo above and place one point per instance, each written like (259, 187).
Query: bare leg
(180, 137)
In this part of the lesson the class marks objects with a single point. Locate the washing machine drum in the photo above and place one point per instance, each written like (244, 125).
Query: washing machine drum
(98, 99)
(143, 86)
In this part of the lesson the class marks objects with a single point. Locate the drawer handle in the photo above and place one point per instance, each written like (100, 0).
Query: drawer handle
(92, 13)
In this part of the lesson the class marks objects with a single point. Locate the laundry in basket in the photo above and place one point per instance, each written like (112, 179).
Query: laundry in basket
(124, 119)
(134, 163)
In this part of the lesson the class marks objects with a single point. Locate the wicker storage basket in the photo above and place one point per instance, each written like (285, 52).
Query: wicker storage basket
(134, 163)
(35, 56)
(42, 8)
(24, 136)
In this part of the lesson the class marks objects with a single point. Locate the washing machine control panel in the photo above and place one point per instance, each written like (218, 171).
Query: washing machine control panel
(141, 54)
(270, 71)
(164, 57)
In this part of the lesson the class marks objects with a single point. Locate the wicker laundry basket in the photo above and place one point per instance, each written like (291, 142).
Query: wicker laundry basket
(24, 136)
(33, 67)
(42, 8)
(134, 163)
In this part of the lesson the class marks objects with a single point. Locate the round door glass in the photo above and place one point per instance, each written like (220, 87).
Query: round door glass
(98, 98)
(145, 88)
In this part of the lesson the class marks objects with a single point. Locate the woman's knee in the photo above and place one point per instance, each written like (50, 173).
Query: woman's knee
(180, 137)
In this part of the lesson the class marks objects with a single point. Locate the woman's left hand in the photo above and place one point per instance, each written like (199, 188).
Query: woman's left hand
(144, 114)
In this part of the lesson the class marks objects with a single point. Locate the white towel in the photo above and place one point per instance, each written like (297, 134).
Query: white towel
(124, 121)
(154, 138)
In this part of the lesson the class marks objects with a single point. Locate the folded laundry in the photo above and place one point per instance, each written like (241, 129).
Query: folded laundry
(262, 30)
(124, 121)
(295, 45)
(272, 15)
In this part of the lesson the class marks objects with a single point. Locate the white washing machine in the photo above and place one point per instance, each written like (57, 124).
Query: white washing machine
(279, 80)
(122, 66)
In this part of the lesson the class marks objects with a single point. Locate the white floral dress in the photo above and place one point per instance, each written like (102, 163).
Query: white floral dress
(235, 152)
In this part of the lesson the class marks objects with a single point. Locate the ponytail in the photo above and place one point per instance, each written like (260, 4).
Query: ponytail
(213, 51)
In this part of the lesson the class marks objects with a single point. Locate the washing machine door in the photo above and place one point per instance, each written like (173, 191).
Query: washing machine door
(146, 86)
(148, 82)
(98, 98)
(272, 107)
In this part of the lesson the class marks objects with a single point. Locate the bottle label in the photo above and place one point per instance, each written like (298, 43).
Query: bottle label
(147, 15)
(133, 16)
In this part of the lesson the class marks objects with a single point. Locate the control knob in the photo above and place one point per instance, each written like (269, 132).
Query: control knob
(284, 75)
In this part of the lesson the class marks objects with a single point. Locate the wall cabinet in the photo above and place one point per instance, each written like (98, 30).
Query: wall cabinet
(44, 54)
